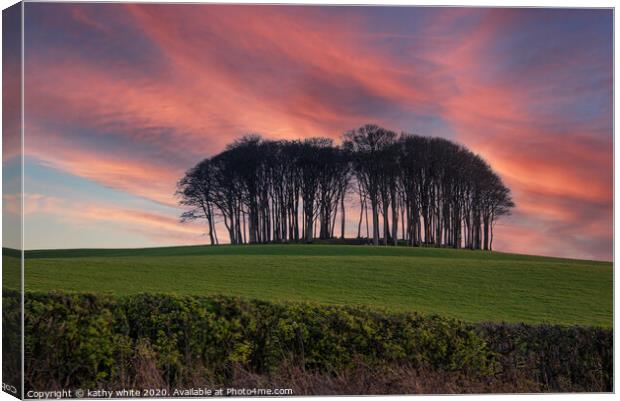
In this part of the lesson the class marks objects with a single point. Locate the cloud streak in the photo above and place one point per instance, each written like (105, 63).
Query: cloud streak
(148, 90)
(156, 227)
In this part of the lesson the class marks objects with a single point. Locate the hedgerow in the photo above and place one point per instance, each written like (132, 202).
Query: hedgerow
(557, 357)
(85, 340)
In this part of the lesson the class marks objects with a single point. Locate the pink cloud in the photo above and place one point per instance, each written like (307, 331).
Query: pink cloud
(220, 72)
(154, 226)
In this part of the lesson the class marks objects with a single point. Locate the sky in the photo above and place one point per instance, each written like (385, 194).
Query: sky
(121, 99)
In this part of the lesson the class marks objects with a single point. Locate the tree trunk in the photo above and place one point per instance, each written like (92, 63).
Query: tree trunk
(375, 222)
(491, 230)
(207, 211)
(394, 216)
(342, 217)
(486, 233)
(359, 225)
(386, 225)
(309, 226)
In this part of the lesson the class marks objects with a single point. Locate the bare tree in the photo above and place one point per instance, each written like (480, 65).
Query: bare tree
(367, 145)
(196, 191)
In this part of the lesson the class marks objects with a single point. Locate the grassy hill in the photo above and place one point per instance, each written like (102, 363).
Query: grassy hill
(469, 285)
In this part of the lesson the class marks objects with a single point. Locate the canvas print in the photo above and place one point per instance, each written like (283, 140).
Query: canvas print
(284, 200)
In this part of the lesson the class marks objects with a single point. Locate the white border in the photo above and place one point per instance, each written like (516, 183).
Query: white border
(478, 3)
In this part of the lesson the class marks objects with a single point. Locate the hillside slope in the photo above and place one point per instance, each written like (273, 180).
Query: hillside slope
(470, 285)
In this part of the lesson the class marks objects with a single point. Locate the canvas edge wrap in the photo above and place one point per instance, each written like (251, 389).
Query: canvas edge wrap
(12, 201)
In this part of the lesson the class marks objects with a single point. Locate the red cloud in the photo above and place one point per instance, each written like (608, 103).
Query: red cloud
(218, 72)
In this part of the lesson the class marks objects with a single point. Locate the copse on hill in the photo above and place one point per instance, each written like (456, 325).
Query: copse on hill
(420, 190)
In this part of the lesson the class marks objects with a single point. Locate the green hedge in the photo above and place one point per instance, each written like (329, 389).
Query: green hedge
(557, 357)
(11, 342)
(98, 341)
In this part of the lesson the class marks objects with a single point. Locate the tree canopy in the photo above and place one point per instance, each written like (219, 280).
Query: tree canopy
(418, 190)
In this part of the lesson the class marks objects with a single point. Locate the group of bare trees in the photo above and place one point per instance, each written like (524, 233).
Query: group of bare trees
(407, 188)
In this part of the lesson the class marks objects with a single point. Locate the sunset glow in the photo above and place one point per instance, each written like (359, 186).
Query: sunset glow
(121, 99)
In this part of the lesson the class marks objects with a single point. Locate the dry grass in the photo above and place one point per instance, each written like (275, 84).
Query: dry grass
(360, 379)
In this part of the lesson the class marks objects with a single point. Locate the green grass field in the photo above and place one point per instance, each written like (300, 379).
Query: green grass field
(471, 285)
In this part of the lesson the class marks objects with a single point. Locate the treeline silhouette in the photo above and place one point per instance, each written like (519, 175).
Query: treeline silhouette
(409, 189)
